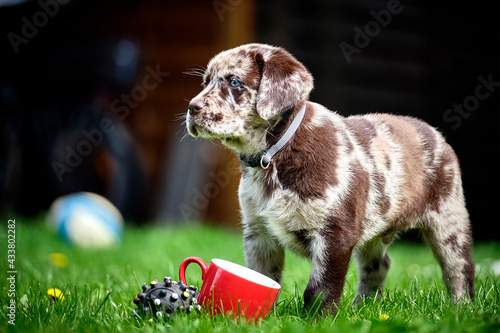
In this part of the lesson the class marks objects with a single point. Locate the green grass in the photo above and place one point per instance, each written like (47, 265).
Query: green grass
(99, 286)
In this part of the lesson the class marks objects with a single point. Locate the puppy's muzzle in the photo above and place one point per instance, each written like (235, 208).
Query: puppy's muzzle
(195, 107)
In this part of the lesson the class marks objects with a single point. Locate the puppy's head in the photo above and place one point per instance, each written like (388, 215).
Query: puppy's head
(246, 89)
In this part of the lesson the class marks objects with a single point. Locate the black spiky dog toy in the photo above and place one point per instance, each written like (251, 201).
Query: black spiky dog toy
(166, 299)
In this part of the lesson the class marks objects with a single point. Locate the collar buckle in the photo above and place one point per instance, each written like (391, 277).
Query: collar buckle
(264, 159)
(262, 162)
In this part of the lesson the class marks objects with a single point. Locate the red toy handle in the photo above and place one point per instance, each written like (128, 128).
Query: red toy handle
(186, 262)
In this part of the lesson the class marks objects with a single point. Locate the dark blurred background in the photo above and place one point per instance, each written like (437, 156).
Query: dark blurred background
(92, 93)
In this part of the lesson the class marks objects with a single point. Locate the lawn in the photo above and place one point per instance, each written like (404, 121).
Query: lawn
(99, 286)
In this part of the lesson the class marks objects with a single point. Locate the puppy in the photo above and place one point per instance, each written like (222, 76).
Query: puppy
(333, 186)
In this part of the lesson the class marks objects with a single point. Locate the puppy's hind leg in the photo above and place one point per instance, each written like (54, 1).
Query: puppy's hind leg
(373, 264)
(451, 244)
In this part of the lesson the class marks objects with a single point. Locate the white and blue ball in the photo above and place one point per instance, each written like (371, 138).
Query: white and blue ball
(86, 219)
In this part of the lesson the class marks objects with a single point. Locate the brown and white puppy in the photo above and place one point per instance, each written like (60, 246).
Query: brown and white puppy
(340, 186)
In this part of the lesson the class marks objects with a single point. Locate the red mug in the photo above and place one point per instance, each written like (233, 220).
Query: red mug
(233, 289)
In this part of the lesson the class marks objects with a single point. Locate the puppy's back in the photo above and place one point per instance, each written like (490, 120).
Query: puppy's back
(414, 169)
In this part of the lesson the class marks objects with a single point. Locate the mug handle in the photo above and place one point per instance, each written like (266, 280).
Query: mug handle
(186, 262)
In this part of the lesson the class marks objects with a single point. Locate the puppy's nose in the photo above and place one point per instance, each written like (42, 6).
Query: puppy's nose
(195, 106)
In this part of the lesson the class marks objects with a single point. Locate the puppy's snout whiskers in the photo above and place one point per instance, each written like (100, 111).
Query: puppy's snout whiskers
(181, 117)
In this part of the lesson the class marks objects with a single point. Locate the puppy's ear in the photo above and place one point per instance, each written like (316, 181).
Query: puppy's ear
(284, 82)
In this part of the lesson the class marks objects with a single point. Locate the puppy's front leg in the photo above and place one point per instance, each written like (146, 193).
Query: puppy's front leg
(262, 253)
(330, 258)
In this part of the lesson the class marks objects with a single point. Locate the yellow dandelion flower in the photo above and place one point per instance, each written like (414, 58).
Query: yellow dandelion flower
(383, 317)
(55, 294)
(59, 259)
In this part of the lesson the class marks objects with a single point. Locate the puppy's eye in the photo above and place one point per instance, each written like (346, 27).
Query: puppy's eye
(234, 83)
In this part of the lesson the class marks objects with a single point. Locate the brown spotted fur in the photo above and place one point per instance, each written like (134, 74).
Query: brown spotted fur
(340, 187)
